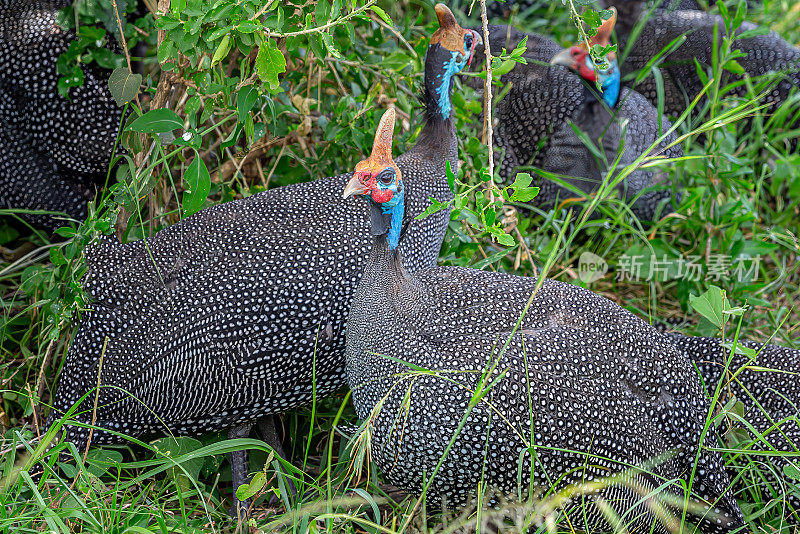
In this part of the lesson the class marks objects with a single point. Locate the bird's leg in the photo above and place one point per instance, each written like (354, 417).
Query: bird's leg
(266, 425)
(239, 470)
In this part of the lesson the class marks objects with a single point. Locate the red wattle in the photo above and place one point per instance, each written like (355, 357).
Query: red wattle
(587, 73)
(382, 196)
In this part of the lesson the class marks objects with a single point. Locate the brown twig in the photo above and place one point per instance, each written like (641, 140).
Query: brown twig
(227, 169)
(319, 29)
(164, 85)
(96, 399)
(487, 102)
(124, 44)
(277, 159)
(48, 357)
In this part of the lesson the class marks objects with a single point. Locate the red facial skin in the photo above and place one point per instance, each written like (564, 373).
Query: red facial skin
(579, 55)
(371, 188)
(475, 38)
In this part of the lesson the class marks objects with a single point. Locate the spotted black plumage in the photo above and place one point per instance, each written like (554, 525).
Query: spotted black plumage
(51, 148)
(533, 126)
(239, 311)
(503, 8)
(764, 53)
(767, 388)
(580, 375)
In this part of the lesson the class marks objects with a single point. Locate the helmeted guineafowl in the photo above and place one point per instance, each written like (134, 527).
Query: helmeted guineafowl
(51, 148)
(766, 385)
(591, 388)
(768, 377)
(503, 8)
(238, 312)
(534, 123)
(768, 53)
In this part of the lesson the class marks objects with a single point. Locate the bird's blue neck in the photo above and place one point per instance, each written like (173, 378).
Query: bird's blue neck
(441, 66)
(610, 88)
(386, 219)
(609, 79)
(395, 208)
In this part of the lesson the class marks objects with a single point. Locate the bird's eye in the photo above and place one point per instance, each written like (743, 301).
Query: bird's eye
(386, 176)
(468, 41)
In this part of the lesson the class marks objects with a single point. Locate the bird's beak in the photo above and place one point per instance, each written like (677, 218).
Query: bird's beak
(563, 58)
(354, 187)
(476, 40)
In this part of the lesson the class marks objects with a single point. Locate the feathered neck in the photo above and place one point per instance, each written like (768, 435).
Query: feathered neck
(385, 262)
(387, 220)
(438, 136)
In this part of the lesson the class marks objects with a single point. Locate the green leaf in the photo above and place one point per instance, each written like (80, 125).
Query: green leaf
(451, 177)
(504, 68)
(711, 305)
(382, 14)
(245, 491)
(432, 208)
(57, 257)
(522, 191)
(248, 26)
(328, 40)
(222, 50)
(733, 66)
(177, 6)
(741, 349)
(192, 105)
(492, 258)
(73, 77)
(199, 181)
(755, 32)
(525, 195)
(137, 530)
(502, 237)
(175, 448)
(270, 63)
(100, 461)
(165, 51)
(592, 18)
(216, 34)
(249, 129)
(124, 85)
(322, 12)
(157, 121)
(279, 22)
(259, 131)
(245, 100)
(317, 45)
(791, 471)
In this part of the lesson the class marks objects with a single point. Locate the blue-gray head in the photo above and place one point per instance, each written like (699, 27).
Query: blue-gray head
(379, 181)
(579, 60)
(450, 50)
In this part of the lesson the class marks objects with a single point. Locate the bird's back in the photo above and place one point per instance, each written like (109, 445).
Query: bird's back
(579, 373)
(536, 120)
(235, 312)
(765, 54)
(77, 133)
